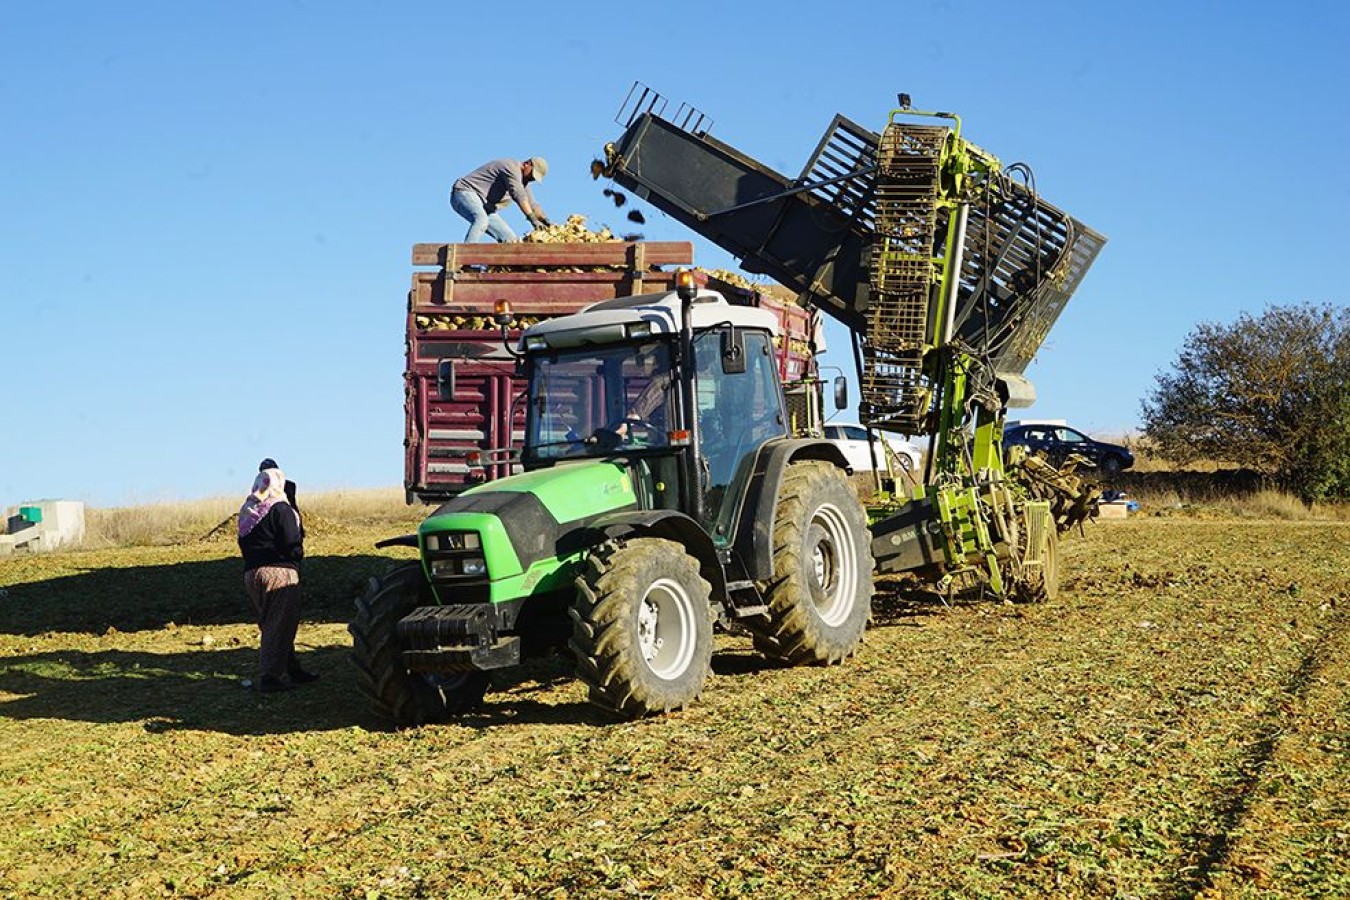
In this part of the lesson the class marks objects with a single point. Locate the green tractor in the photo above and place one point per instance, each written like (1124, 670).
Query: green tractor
(662, 493)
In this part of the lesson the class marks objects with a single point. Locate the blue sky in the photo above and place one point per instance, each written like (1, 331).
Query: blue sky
(208, 207)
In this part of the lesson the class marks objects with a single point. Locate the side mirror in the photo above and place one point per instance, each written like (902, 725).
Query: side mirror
(445, 380)
(733, 352)
(841, 392)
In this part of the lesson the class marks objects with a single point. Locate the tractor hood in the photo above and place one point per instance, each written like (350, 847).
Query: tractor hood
(535, 516)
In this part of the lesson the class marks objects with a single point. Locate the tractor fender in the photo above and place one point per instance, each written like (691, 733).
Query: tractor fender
(754, 532)
(673, 526)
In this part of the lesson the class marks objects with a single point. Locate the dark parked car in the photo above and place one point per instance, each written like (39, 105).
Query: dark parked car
(1058, 442)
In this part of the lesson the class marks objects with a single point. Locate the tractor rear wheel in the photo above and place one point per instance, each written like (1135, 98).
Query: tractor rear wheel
(820, 596)
(642, 627)
(402, 697)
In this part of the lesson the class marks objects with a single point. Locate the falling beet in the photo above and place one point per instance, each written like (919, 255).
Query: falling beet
(635, 215)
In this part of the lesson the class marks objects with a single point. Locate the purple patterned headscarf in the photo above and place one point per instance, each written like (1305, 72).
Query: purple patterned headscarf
(268, 488)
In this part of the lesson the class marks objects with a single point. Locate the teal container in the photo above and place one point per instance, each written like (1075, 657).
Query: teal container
(31, 514)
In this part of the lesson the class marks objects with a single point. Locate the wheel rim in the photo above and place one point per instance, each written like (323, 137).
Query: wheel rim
(665, 624)
(832, 554)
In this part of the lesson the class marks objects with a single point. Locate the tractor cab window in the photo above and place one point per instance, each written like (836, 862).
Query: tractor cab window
(737, 412)
(595, 401)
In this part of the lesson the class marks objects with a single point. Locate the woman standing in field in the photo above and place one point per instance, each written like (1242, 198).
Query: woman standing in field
(272, 539)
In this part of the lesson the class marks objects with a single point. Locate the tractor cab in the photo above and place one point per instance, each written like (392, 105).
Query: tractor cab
(685, 407)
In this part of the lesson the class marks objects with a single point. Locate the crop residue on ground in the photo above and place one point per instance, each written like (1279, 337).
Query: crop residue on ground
(1175, 724)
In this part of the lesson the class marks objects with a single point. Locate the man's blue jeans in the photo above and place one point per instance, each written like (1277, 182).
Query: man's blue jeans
(469, 205)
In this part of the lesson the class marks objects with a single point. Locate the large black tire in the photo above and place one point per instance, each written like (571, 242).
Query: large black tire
(642, 627)
(397, 695)
(1112, 464)
(820, 596)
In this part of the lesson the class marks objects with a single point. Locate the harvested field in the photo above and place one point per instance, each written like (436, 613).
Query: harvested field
(1176, 724)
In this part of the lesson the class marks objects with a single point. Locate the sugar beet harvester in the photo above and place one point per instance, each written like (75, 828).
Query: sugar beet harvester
(663, 490)
(949, 272)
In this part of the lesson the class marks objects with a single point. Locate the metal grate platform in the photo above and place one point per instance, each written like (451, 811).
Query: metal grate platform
(855, 235)
(904, 273)
(835, 171)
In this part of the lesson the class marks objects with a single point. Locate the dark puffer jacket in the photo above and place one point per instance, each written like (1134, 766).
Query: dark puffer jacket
(278, 540)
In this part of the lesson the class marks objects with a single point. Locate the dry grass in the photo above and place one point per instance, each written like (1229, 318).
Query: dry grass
(165, 524)
(1167, 492)
(1270, 504)
(161, 523)
(1222, 493)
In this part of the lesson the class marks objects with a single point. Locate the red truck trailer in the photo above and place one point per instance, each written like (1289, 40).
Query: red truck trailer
(454, 438)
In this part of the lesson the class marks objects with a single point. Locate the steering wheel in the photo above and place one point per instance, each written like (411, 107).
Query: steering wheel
(609, 437)
(635, 423)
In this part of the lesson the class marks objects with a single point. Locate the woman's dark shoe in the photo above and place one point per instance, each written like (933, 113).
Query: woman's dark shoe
(300, 676)
(270, 684)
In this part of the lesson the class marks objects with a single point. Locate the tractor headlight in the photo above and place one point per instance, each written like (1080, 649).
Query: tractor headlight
(455, 555)
(458, 567)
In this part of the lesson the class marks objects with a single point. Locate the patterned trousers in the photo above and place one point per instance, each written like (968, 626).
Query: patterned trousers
(274, 592)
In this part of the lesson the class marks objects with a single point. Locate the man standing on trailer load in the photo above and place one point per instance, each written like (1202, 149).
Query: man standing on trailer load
(479, 195)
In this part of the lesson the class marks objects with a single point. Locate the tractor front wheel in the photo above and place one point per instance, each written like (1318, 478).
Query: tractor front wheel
(642, 627)
(395, 694)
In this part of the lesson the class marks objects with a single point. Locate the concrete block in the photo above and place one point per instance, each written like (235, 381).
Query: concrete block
(62, 523)
(1118, 509)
